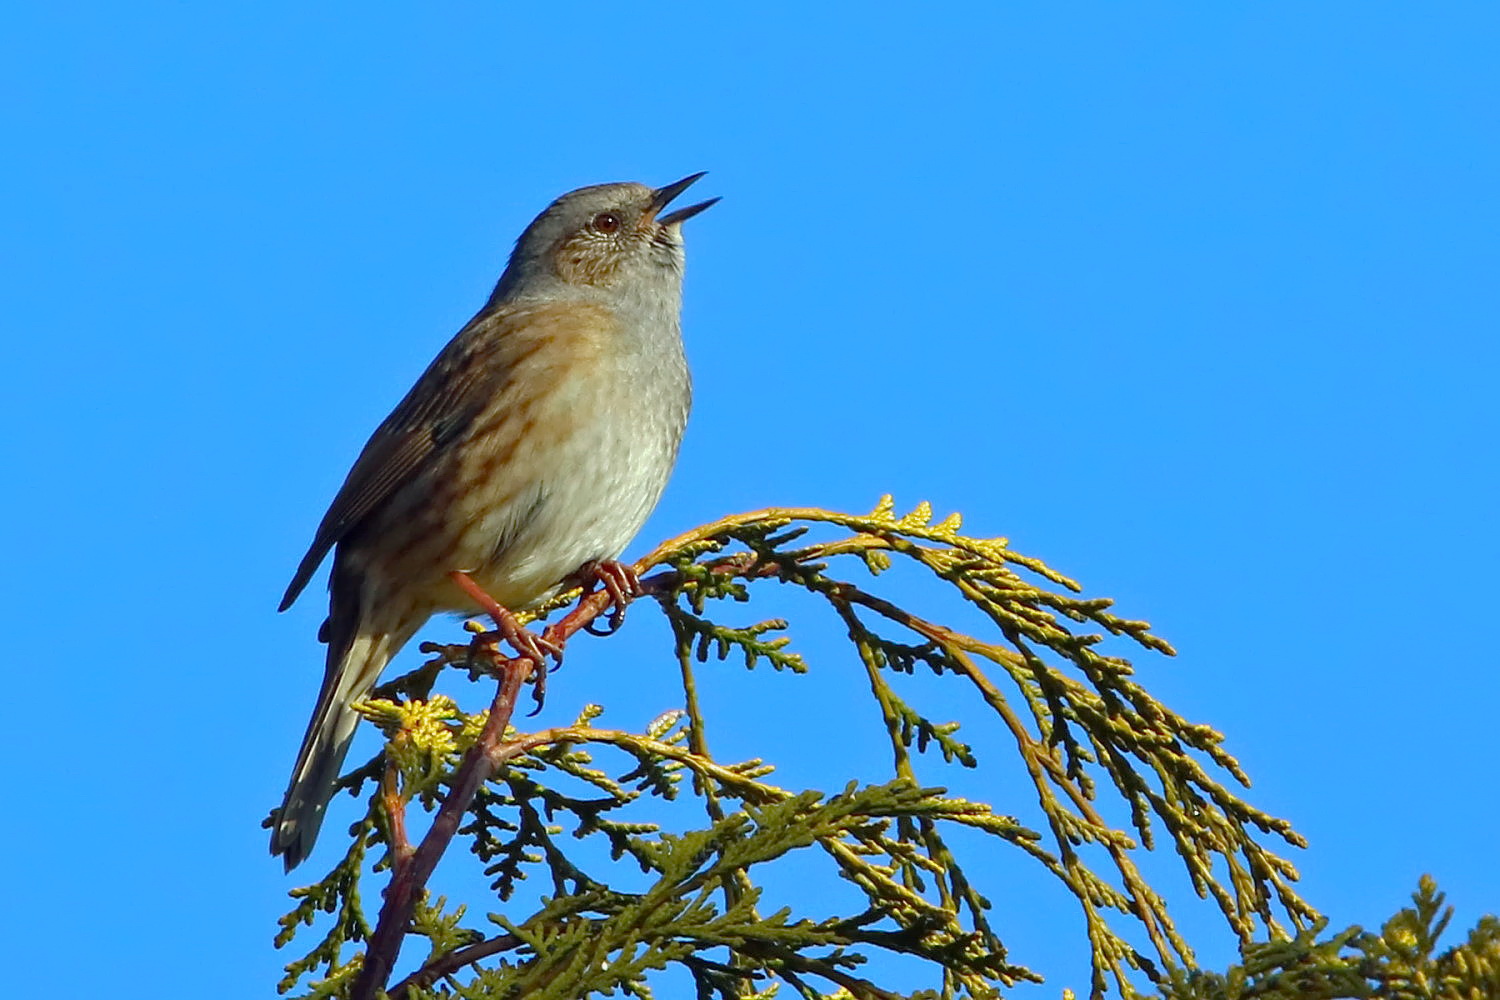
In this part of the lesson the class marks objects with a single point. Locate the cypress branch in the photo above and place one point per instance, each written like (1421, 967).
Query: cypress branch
(1089, 739)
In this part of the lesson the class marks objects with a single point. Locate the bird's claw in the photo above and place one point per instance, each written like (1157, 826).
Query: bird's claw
(528, 645)
(623, 586)
(537, 648)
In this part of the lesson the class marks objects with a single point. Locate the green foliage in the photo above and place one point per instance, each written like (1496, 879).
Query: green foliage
(1402, 962)
(337, 893)
(689, 897)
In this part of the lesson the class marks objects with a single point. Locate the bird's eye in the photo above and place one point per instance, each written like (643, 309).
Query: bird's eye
(606, 222)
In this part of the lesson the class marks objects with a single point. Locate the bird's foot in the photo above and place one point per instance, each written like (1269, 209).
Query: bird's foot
(530, 647)
(623, 586)
(485, 647)
(525, 642)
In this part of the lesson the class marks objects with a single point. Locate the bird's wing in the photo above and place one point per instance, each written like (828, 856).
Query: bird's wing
(454, 389)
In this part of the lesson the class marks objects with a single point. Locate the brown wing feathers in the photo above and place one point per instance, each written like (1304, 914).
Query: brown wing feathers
(421, 423)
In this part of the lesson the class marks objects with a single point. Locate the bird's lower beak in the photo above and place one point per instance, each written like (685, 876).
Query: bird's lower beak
(664, 195)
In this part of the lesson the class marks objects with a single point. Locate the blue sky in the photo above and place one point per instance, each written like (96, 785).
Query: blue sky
(1194, 301)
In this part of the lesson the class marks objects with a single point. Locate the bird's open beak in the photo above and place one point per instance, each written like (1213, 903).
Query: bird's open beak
(664, 195)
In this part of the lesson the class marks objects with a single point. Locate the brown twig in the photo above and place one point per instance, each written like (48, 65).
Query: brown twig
(408, 881)
(785, 961)
(395, 815)
(450, 963)
(489, 751)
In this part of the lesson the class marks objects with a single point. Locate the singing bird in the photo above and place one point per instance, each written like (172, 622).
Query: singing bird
(528, 454)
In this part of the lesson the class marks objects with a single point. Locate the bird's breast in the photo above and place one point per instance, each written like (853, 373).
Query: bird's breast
(571, 459)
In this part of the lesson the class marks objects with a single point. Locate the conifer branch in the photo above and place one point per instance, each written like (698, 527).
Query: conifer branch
(1080, 724)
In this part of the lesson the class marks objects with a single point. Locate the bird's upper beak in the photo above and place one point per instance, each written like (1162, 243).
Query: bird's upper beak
(664, 195)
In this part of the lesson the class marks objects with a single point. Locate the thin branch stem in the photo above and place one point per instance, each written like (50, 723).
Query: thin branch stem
(409, 881)
(395, 814)
(446, 965)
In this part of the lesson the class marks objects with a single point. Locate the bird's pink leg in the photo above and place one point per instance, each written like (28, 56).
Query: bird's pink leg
(524, 641)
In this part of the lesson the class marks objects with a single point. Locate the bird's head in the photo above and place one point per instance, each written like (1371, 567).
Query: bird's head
(603, 237)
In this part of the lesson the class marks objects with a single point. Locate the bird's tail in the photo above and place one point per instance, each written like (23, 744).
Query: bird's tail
(353, 667)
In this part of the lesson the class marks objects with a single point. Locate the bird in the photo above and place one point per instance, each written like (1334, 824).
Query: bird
(525, 458)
